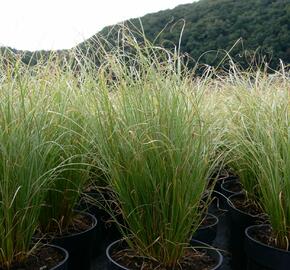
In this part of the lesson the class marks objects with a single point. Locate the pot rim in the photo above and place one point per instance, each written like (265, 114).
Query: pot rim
(261, 243)
(92, 227)
(211, 225)
(95, 223)
(228, 181)
(65, 257)
(202, 245)
(238, 210)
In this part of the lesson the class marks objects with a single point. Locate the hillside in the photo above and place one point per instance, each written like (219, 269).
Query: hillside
(259, 29)
(262, 26)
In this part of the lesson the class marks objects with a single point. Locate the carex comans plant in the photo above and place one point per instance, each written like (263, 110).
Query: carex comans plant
(157, 149)
(73, 161)
(26, 168)
(241, 95)
(264, 145)
(273, 156)
(215, 104)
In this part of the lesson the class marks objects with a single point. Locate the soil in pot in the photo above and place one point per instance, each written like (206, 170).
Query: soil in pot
(120, 257)
(242, 204)
(79, 240)
(243, 213)
(207, 230)
(262, 251)
(46, 257)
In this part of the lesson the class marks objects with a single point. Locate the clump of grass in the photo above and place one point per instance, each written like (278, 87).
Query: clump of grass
(71, 178)
(26, 165)
(57, 85)
(157, 149)
(260, 148)
(73, 160)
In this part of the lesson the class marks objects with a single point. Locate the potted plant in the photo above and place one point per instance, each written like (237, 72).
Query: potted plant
(159, 153)
(252, 112)
(243, 207)
(59, 222)
(26, 172)
(267, 245)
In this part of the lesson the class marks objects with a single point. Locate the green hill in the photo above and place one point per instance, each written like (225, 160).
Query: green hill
(261, 26)
(259, 29)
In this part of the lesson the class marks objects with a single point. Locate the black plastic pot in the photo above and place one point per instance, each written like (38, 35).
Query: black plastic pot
(206, 234)
(263, 257)
(239, 218)
(222, 193)
(87, 203)
(64, 263)
(239, 221)
(107, 228)
(121, 244)
(80, 246)
(220, 181)
(226, 187)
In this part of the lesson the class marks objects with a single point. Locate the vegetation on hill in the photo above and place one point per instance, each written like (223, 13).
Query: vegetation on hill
(252, 32)
(259, 28)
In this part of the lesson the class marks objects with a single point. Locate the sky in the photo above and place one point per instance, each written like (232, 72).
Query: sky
(61, 24)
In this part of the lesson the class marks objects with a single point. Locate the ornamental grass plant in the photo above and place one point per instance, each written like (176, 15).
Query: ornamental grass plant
(73, 161)
(259, 146)
(157, 149)
(26, 161)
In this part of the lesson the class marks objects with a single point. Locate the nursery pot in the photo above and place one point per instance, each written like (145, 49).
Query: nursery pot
(121, 244)
(44, 256)
(80, 245)
(64, 263)
(207, 233)
(239, 221)
(263, 257)
(107, 228)
(47, 256)
(210, 198)
(88, 206)
(231, 187)
(220, 181)
(222, 192)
